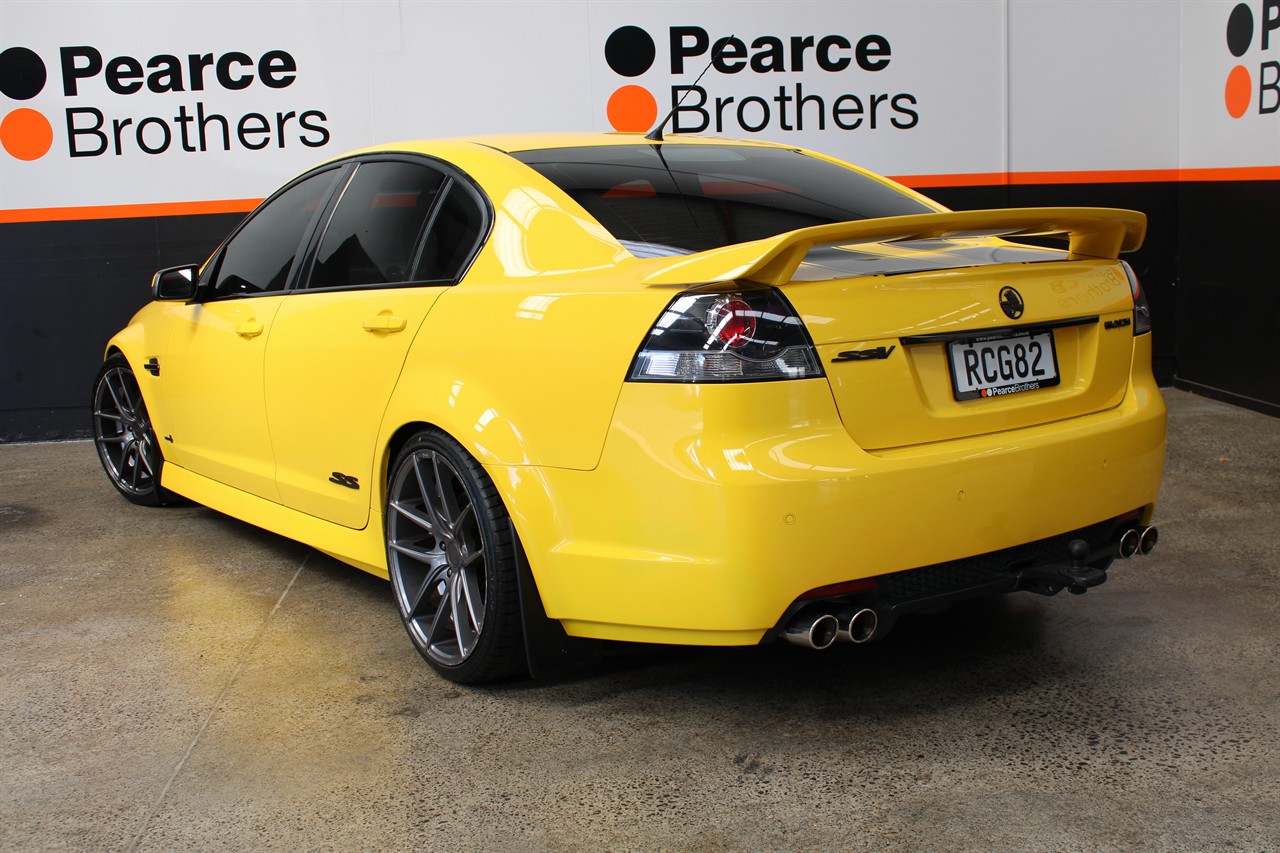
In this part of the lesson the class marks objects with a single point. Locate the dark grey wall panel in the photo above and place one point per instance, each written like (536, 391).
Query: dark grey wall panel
(1229, 292)
(65, 288)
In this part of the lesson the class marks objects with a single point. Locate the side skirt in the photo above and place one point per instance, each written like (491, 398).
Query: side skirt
(363, 549)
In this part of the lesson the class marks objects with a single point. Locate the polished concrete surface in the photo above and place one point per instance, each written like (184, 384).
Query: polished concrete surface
(173, 679)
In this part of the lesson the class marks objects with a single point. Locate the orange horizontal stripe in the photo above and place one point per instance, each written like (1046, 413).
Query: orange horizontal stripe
(1120, 176)
(970, 179)
(1239, 173)
(129, 211)
(1117, 176)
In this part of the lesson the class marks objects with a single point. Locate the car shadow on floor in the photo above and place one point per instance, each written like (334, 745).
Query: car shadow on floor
(975, 650)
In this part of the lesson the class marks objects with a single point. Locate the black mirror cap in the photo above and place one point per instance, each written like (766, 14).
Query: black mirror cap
(175, 283)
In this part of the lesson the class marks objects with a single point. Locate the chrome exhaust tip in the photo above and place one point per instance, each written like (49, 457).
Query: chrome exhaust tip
(1147, 543)
(858, 626)
(812, 631)
(1129, 543)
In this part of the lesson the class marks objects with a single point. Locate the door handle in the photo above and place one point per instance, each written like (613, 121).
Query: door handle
(384, 323)
(249, 329)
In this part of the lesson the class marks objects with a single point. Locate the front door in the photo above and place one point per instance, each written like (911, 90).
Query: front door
(213, 365)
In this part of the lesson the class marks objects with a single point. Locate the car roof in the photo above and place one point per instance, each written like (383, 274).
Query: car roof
(512, 142)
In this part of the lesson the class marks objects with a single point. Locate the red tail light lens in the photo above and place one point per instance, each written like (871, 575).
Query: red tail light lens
(732, 322)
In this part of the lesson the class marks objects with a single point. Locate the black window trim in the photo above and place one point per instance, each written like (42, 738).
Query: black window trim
(313, 233)
(453, 177)
(210, 273)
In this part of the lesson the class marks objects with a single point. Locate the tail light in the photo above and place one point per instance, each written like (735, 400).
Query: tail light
(744, 335)
(1141, 310)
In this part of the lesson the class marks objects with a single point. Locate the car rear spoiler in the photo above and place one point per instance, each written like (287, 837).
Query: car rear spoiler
(1092, 232)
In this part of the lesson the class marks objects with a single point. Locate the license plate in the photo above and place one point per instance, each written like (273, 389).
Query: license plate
(998, 366)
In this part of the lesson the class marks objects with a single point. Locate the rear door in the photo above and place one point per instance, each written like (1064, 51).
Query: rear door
(401, 231)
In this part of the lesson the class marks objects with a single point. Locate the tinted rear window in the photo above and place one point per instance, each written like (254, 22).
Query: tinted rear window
(698, 197)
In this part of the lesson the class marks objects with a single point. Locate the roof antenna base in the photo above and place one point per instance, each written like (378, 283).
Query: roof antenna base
(655, 135)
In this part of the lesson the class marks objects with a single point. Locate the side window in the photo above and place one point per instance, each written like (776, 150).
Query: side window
(258, 258)
(376, 226)
(452, 240)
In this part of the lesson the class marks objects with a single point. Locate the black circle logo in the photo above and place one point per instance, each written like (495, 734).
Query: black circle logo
(1011, 303)
(1239, 29)
(629, 51)
(22, 73)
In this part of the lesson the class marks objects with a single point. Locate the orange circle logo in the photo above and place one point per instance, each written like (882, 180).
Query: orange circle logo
(632, 109)
(1239, 91)
(26, 134)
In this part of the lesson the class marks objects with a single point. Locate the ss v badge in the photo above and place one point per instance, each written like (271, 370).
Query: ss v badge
(864, 354)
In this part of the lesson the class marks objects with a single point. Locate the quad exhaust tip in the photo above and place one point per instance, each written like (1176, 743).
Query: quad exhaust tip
(1139, 542)
(813, 631)
(1147, 543)
(858, 626)
(1129, 543)
(819, 630)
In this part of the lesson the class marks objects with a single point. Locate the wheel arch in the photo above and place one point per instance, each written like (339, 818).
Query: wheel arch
(391, 449)
(145, 338)
(400, 435)
(123, 433)
(130, 347)
(549, 650)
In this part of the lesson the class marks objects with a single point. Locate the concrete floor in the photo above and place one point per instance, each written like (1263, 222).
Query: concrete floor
(174, 679)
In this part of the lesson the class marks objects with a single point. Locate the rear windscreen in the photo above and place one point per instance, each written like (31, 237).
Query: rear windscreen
(671, 199)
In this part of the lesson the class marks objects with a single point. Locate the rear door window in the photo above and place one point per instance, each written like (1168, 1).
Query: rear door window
(373, 235)
(453, 238)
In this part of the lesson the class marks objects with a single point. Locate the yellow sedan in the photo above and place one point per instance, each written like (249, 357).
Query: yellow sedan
(566, 389)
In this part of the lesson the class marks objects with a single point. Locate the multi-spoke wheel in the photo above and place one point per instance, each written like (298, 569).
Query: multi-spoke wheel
(123, 435)
(452, 561)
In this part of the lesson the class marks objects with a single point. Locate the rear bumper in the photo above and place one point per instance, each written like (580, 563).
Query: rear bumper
(715, 508)
(1076, 560)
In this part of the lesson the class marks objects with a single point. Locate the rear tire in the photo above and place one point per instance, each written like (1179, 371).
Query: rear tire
(452, 562)
(123, 436)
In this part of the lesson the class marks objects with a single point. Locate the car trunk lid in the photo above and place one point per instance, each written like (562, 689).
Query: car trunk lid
(930, 356)
(930, 329)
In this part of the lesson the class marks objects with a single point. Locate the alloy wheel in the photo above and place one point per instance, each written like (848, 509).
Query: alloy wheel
(122, 432)
(437, 557)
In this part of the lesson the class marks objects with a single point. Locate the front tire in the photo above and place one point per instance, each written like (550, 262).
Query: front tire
(122, 433)
(452, 563)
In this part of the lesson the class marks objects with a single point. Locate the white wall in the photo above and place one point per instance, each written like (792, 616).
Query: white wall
(1025, 86)
(1210, 137)
(1093, 85)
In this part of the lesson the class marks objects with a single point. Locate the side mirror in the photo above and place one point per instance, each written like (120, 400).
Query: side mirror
(175, 283)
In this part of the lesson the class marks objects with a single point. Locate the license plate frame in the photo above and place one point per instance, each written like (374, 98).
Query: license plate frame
(1002, 365)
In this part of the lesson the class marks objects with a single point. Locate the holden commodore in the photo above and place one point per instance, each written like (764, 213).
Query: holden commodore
(566, 389)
